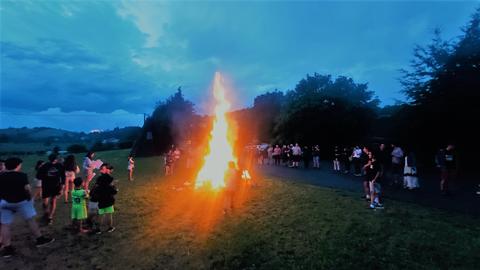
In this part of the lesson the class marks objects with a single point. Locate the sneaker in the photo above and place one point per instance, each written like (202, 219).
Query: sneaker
(8, 252)
(95, 231)
(49, 221)
(379, 206)
(111, 229)
(372, 206)
(43, 241)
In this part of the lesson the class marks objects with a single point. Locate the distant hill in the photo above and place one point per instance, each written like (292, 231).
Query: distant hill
(52, 135)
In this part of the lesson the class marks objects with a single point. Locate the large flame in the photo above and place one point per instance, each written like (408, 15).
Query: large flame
(220, 150)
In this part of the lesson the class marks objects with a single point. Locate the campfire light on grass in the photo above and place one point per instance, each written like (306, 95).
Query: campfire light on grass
(220, 150)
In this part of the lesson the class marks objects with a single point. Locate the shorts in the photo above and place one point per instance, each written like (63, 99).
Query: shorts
(7, 210)
(79, 212)
(70, 175)
(93, 207)
(38, 183)
(50, 192)
(376, 187)
(106, 210)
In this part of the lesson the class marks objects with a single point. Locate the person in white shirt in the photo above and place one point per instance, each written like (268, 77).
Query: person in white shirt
(297, 154)
(88, 167)
(397, 168)
(356, 155)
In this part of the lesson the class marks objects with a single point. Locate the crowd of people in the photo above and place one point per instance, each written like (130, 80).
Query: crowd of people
(92, 199)
(390, 165)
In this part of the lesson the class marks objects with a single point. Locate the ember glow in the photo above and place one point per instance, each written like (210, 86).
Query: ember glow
(220, 150)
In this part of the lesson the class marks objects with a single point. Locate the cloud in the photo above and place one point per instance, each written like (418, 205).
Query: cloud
(50, 51)
(151, 18)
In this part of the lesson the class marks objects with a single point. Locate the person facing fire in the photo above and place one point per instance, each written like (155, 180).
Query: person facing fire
(232, 179)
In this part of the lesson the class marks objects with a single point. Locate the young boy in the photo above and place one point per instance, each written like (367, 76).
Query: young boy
(15, 197)
(79, 205)
(106, 191)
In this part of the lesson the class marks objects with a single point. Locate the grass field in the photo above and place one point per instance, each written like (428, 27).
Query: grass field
(162, 224)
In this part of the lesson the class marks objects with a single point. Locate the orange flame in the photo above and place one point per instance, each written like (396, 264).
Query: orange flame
(220, 150)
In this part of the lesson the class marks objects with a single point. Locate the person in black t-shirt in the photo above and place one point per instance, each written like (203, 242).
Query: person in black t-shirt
(372, 175)
(447, 162)
(52, 175)
(15, 197)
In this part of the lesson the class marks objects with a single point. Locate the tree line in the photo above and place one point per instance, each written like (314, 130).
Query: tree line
(441, 87)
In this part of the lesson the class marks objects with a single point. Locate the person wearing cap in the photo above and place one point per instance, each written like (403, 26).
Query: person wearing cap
(15, 197)
(105, 192)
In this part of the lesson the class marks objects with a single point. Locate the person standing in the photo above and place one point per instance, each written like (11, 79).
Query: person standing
(277, 154)
(336, 159)
(316, 156)
(410, 179)
(383, 160)
(106, 192)
(88, 167)
(52, 174)
(15, 197)
(130, 167)
(37, 194)
(447, 162)
(397, 166)
(270, 154)
(372, 175)
(296, 155)
(356, 155)
(345, 160)
(71, 169)
(79, 205)
(232, 182)
(307, 156)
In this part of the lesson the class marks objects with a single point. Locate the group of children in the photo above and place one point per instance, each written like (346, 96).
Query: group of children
(92, 204)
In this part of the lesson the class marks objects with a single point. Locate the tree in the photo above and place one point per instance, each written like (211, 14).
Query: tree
(77, 148)
(266, 109)
(169, 124)
(324, 111)
(443, 87)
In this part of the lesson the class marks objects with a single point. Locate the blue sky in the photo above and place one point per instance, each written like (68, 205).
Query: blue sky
(83, 65)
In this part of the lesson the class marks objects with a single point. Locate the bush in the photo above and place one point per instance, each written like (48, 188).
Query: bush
(77, 148)
(125, 145)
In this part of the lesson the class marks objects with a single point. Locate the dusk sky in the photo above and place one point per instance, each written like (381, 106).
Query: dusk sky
(102, 64)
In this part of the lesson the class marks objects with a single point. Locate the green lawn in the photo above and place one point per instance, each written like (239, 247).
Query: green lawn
(161, 224)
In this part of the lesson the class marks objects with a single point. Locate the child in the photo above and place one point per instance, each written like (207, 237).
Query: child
(131, 165)
(106, 195)
(79, 206)
(93, 210)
